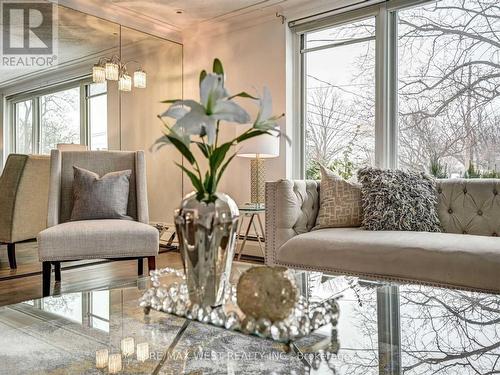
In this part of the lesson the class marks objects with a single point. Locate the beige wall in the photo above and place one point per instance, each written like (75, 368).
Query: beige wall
(253, 57)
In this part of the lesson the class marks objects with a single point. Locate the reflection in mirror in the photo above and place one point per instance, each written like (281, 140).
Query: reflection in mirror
(60, 104)
(67, 104)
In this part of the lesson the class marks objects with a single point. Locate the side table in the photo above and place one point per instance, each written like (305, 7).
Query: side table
(251, 211)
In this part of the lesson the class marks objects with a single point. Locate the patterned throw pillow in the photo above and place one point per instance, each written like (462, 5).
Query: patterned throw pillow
(340, 202)
(398, 200)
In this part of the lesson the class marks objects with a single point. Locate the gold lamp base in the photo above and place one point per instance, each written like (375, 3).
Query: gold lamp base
(257, 181)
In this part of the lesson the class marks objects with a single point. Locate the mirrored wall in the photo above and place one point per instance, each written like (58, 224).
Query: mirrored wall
(64, 103)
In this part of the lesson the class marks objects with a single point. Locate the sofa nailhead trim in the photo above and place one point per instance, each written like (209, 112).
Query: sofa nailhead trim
(376, 277)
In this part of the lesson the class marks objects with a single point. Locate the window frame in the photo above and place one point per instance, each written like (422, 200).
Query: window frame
(34, 96)
(386, 78)
(85, 110)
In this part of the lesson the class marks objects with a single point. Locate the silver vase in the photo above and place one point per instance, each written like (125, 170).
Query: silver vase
(207, 241)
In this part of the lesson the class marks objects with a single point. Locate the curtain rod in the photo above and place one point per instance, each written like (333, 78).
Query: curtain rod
(344, 8)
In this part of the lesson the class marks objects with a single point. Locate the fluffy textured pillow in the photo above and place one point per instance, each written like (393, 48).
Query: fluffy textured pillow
(398, 200)
(340, 202)
(97, 197)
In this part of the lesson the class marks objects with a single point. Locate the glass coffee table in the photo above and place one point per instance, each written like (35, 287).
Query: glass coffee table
(384, 328)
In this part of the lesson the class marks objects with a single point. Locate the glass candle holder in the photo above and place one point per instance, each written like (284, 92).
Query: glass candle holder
(127, 346)
(101, 358)
(115, 363)
(142, 351)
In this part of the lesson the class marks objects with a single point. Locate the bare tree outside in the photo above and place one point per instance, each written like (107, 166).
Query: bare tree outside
(60, 119)
(449, 63)
(443, 332)
(448, 91)
(24, 126)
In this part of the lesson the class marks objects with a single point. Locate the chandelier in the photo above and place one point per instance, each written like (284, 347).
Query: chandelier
(113, 69)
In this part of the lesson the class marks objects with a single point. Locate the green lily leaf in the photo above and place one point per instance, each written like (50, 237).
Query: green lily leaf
(183, 149)
(253, 133)
(203, 148)
(209, 183)
(219, 155)
(170, 101)
(194, 179)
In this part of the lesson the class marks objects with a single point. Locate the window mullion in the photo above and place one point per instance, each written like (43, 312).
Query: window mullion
(382, 87)
(36, 120)
(13, 127)
(393, 89)
(84, 123)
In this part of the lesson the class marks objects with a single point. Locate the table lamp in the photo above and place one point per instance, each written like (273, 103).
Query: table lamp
(257, 149)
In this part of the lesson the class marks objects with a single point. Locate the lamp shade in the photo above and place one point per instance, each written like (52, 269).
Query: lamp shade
(264, 147)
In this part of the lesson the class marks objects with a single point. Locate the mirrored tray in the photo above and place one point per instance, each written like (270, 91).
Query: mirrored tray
(169, 294)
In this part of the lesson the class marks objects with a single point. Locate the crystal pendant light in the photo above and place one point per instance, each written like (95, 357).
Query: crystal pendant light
(101, 358)
(114, 363)
(142, 351)
(98, 74)
(125, 83)
(140, 79)
(128, 346)
(112, 71)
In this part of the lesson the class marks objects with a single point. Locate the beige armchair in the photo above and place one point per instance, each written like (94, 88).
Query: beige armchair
(66, 240)
(24, 187)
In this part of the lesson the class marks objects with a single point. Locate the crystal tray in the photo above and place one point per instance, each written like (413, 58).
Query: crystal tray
(304, 319)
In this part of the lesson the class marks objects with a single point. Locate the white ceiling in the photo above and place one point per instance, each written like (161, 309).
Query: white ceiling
(192, 11)
(185, 14)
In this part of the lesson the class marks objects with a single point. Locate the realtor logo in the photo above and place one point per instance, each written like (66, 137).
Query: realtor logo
(29, 34)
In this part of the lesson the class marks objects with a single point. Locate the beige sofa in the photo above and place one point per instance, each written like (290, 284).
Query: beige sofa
(465, 255)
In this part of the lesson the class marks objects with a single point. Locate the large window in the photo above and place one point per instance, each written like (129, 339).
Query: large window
(449, 80)
(410, 84)
(73, 113)
(340, 97)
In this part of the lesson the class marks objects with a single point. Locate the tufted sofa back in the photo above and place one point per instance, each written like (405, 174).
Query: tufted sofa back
(469, 206)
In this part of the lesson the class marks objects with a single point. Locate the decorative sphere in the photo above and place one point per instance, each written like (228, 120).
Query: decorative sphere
(266, 292)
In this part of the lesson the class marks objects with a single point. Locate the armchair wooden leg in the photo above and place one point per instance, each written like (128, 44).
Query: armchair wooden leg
(57, 270)
(140, 267)
(151, 263)
(46, 271)
(11, 252)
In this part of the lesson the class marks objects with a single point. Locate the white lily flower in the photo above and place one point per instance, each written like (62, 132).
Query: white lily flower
(201, 119)
(212, 90)
(265, 120)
